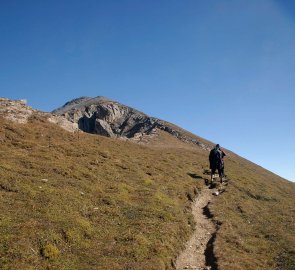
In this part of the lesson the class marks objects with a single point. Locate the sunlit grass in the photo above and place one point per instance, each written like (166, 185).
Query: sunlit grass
(80, 201)
(89, 202)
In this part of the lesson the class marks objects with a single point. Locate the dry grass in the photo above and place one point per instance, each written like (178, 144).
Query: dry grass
(257, 213)
(80, 201)
(258, 220)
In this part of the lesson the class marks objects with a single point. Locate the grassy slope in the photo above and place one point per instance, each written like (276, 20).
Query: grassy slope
(133, 211)
(107, 204)
(258, 216)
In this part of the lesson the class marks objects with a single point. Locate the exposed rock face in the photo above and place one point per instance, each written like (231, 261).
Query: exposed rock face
(63, 122)
(18, 111)
(15, 110)
(109, 118)
(105, 117)
(103, 128)
(99, 116)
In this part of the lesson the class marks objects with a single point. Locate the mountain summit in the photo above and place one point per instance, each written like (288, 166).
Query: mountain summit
(103, 116)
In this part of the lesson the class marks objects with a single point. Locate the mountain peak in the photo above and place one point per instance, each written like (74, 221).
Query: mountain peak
(103, 116)
(81, 101)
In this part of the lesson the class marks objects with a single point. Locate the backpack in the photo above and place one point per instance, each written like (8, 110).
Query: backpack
(215, 156)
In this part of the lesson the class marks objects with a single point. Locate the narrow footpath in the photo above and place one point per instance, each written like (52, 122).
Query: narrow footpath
(195, 255)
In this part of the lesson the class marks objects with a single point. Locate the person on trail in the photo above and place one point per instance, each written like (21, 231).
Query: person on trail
(216, 162)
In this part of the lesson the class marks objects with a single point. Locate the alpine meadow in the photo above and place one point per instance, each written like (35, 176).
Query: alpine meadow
(100, 185)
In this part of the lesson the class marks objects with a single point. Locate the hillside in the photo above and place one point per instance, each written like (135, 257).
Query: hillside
(73, 200)
(79, 201)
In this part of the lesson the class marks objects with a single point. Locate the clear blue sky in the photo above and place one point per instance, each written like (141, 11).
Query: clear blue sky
(224, 70)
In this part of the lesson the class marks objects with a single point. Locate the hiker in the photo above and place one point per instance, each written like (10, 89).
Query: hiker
(216, 162)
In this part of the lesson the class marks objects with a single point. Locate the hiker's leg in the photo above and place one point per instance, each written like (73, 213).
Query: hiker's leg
(212, 173)
(222, 171)
(220, 174)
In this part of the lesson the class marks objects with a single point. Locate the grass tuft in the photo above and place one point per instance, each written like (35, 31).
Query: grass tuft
(50, 251)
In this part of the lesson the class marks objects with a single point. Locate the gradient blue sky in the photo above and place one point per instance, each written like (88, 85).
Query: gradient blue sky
(224, 70)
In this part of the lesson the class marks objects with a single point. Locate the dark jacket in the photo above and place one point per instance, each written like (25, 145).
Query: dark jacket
(215, 158)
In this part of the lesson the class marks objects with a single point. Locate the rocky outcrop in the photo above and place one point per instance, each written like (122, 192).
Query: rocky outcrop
(109, 118)
(62, 122)
(99, 116)
(105, 117)
(18, 111)
(15, 110)
(103, 128)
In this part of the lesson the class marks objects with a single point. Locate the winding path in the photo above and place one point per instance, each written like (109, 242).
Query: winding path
(193, 256)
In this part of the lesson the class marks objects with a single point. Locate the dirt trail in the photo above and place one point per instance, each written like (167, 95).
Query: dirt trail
(199, 250)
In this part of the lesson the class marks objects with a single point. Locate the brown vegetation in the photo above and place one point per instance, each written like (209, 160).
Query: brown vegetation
(81, 201)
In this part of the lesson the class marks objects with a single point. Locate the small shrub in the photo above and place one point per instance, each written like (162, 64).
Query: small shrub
(49, 251)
